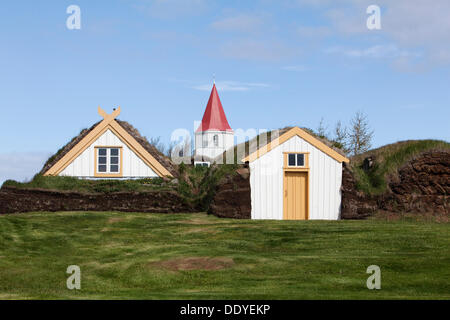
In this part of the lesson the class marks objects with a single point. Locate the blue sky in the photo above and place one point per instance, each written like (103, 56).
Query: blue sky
(276, 63)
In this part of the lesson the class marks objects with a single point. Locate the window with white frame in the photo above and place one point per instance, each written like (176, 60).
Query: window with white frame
(216, 140)
(108, 160)
(296, 159)
(202, 163)
(205, 141)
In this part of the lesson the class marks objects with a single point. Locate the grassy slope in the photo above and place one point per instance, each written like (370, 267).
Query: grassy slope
(273, 259)
(89, 186)
(389, 159)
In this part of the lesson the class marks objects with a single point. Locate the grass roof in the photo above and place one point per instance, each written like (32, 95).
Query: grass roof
(260, 141)
(161, 158)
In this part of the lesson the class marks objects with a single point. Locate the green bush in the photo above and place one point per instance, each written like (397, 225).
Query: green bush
(197, 185)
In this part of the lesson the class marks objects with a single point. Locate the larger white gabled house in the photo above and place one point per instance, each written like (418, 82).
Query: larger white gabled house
(110, 149)
(295, 177)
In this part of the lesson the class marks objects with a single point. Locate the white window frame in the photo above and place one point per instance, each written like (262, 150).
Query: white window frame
(296, 159)
(108, 161)
(216, 140)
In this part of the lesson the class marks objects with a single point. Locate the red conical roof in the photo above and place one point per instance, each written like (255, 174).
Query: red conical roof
(214, 117)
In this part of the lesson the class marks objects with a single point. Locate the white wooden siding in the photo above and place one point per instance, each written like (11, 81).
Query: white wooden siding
(226, 141)
(266, 181)
(133, 166)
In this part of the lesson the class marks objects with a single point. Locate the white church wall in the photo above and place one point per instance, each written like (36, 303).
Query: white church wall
(225, 141)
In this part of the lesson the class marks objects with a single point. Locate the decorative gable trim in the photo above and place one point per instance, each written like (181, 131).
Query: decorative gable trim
(108, 123)
(296, 131)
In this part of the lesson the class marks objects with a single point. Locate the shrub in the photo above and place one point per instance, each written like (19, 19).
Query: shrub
(197, 185)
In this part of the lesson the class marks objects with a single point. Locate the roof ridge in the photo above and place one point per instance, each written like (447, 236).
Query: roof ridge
(132, 131)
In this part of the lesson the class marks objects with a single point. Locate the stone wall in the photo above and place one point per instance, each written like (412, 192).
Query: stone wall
(422, 185)
(355, 204)
(14, 200)
(232, 199)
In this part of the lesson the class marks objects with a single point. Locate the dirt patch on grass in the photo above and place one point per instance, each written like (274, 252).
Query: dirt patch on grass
(197, 230)
(114, 220)
(201, 220)
(195, 263)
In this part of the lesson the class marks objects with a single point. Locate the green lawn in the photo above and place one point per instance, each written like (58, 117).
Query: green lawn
(145, 256)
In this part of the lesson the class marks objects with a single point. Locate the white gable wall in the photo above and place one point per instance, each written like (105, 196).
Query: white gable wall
(133, 166)
(266, 182)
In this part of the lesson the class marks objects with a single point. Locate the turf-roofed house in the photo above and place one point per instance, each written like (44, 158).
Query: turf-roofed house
(110, 149)
(296, 176)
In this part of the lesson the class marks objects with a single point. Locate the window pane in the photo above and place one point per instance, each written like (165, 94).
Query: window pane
(291, 160)
(102, 168)
(300, 160)
(114, 168)
(114, 152)
(102, 160)
(102, 152)
(114, 160)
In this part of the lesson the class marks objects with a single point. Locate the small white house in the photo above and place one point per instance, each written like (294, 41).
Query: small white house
(295, 177)
(111, 149)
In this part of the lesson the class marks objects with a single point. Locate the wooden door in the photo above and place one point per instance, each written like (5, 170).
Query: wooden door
(295, 195)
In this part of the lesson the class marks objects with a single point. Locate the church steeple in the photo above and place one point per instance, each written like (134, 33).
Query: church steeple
(214, 117)
(214, 135)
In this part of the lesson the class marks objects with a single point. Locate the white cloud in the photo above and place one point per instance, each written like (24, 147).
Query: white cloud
(231, 86)
(418, 22)
(21, 166)
(239, 23)
(378, 52)
(410, 24)
(349, 21)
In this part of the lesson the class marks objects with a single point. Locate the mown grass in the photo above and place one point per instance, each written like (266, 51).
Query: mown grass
(119, 253)
(90, 186)
(388, 160)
